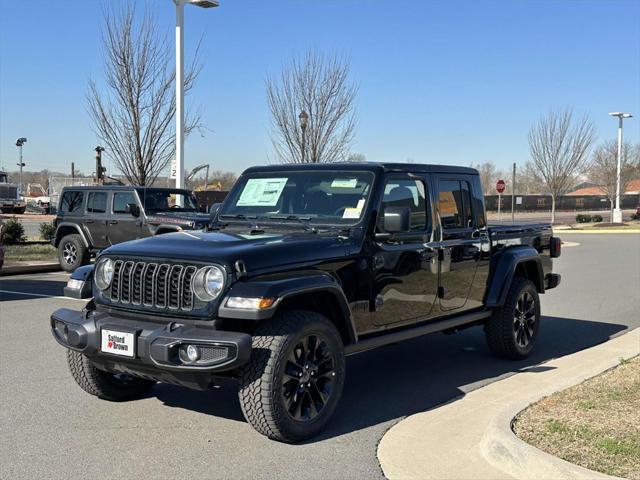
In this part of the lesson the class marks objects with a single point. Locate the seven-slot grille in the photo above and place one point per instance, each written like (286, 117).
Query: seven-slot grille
(157, 285)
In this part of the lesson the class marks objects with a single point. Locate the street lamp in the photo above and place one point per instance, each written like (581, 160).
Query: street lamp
(617, 213)
(19, 143)
(304, 121)
(180, 81)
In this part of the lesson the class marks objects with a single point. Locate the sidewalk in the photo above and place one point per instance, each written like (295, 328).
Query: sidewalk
(471, 437)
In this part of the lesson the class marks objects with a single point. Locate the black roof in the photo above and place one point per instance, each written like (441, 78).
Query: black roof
(119, 187)
(366, 166)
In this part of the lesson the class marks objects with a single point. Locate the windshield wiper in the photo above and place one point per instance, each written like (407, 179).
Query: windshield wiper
(295, 218)
(237, 216)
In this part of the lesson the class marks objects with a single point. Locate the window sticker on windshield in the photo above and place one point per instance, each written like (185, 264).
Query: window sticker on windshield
(354, 212)
(344, 183)
(261, 192)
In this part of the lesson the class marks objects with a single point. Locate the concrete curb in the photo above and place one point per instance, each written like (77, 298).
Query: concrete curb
(471, 437)
(24, 269)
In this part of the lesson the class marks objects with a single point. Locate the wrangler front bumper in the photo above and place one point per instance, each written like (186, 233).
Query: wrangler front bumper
(159, 347)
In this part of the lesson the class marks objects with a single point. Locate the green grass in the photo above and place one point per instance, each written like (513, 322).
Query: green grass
(594, 424)
(30, 253)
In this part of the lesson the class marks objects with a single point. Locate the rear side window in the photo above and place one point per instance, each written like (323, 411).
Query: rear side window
(97, 202)
(455, 204)
(72, 201)
(120, 201)
(408, 193)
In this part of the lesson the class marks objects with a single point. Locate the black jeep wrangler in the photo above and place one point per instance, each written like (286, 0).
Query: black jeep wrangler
(301, 266)
(92, 218)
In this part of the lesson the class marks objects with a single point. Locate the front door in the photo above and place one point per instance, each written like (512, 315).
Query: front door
(463, 242)
(122, 226)
(405, 268)
(95, 219)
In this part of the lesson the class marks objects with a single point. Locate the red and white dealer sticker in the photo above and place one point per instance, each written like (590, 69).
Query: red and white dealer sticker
(118, 343)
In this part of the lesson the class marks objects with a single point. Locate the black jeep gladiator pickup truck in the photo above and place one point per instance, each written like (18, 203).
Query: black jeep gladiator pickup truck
(300, 266)
(92, 218)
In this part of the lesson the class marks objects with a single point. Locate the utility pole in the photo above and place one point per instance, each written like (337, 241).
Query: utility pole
(513, 194)
(304, 121)
(19, 143)
(99, 169)
(73, 171)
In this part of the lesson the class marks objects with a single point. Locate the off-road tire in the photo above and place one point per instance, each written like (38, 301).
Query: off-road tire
(500, 328)
(19, 210)
(261, 391)
(72, 242)
(105, 385)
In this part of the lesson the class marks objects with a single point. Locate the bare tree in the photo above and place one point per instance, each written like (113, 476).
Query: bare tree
(603, 169)
(529, 180)
(357, 158)
(559, 148)
(319, 86)
(134, 116)
(489, 175)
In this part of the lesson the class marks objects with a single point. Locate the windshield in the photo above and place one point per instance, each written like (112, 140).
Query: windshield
(321, 197)
(167, 200)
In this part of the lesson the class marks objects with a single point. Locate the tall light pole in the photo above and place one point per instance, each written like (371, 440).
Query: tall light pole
(180, 81)
(19, 143)
(617, 212)
(304, 121)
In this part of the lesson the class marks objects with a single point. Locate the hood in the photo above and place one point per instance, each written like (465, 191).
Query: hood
(258, 252)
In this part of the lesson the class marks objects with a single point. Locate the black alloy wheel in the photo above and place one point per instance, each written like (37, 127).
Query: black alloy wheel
(308, 379)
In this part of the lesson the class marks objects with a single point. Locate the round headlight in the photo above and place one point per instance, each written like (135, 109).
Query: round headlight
(104, 274)
(208, 283)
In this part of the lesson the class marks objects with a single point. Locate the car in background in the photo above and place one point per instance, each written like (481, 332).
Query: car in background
(92, 218)
(2, 248)
(10, 199)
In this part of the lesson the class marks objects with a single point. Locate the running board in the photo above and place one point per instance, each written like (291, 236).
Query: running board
(408, 334)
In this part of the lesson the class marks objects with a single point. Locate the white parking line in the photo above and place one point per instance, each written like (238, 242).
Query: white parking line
(42, 295)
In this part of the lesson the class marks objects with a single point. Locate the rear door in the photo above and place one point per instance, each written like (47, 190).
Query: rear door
(464, 245)
(95, 219)
(122, 226)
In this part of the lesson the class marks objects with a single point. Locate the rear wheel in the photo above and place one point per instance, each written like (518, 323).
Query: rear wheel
(108, 386)
(513, 329)
(291, 386)
(72, 252)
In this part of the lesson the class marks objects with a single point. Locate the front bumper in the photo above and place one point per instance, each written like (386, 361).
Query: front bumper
(157, 347)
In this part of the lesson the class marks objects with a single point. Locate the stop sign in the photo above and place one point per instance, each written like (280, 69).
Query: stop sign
(500, 186)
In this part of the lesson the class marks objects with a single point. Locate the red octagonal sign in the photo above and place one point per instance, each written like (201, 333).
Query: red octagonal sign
(500, 186)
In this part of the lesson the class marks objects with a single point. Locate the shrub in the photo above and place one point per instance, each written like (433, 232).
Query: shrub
(596, 218)
(47, 231)
(582, 218)
(13, 232)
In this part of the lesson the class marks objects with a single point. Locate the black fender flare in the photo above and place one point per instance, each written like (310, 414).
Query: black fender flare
(504, 270)
(65, 225)
(285, 288)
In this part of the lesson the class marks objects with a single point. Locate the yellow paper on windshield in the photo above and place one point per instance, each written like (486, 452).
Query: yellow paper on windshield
(344, 183)
(261, 192)
(354, 212)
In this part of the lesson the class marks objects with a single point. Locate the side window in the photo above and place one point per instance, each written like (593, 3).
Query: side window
(120, 201)
(97, 202)
(72, 201)
(455, 204)
(408, 193)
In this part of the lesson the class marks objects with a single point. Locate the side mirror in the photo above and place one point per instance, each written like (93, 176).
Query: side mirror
(396, 219)
(213, 212)
(133, 209)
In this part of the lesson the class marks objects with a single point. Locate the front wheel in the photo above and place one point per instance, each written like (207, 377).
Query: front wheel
(108, 386)
(294, 379)
(72, 253)
(513, 329)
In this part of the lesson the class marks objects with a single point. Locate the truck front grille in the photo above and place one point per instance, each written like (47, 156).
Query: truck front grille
(155, 285)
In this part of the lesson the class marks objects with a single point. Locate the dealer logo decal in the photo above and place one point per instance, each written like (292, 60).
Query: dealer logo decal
(117, 343)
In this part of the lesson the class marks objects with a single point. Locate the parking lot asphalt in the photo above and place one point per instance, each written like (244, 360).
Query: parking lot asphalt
(52, 429)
